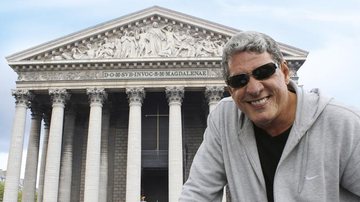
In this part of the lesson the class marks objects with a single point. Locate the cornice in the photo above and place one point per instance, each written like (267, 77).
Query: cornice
(109, 64)
(131, 63)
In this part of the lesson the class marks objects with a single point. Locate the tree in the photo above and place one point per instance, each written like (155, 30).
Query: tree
(2, 184)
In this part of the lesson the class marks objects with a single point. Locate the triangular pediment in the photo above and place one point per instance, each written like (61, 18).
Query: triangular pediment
(151, 33)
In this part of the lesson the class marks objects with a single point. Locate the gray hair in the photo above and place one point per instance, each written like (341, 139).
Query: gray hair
(249, 41)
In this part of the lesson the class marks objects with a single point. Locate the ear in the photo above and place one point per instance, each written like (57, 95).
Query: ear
(286, 71)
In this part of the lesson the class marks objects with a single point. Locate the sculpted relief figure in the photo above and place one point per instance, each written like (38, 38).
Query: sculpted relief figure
(106, 49)
(219, 44)
(205, 47)
(186, 45)
(129, 45)
(152, 40)
(156, 38)
(143, 42)
(90, 51)
(118, 46)
(77, 52)
(170, 45)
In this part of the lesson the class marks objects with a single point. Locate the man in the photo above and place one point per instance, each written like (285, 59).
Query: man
(271, 140)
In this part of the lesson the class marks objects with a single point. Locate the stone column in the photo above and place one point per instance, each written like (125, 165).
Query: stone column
(175, 96)
(67, 155)
(22, 98)
(213, 95)
(29, 190)
(133, 170)
(97, 97)
(104, 155)
(43, 156)
(53, 157)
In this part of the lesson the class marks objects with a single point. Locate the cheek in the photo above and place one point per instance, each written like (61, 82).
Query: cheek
(235, 94)
(237, 97)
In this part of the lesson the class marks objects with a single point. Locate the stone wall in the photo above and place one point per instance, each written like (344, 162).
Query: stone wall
(118, 149)
(194, 123)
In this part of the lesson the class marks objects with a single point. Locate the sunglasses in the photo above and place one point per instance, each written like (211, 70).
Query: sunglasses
(261, 73)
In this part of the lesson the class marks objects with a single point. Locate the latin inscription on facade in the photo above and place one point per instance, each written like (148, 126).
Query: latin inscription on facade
(120, 74)
(156, 74)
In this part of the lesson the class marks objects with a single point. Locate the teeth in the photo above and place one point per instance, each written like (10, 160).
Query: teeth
(259, 102)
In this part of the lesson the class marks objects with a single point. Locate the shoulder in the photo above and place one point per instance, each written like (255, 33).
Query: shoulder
(226, 102)
(225, 113)
(342, 121)
(341, 111)
(224, 106)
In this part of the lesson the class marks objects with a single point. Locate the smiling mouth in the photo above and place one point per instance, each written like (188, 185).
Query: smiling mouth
(258, 103)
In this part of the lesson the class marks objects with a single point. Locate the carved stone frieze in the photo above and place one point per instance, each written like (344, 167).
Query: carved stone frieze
(155, 39)
(59, 75)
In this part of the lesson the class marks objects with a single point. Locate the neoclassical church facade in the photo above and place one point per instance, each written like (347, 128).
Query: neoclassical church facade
(121, 107)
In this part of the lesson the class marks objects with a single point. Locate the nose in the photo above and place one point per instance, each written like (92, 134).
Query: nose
(254, 87)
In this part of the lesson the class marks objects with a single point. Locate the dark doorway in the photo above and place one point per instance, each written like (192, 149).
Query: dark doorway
(154, 184)
(155, 122)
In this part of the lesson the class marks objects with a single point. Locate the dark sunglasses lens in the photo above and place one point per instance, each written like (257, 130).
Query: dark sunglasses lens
(265, 71)
(238, 81)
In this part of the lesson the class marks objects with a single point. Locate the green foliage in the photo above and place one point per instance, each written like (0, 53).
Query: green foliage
(19, 196)
(2, 184)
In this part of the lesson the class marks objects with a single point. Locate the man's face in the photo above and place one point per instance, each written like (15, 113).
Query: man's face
(265, 102)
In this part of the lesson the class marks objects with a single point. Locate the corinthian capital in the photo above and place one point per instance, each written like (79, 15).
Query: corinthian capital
(135, 95)
(96, 95)
(174, 94)
(22, 97)
(214, 93)
(59, 96)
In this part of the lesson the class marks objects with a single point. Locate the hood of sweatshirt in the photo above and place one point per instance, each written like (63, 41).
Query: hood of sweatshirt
(309, 107)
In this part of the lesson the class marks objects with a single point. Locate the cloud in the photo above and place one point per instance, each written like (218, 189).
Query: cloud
(334, 69)
(7, 107)
(290, 11)
(16, 5)
(4, 159)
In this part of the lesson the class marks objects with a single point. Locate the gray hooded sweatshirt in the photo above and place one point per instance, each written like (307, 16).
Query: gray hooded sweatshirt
(320, 161)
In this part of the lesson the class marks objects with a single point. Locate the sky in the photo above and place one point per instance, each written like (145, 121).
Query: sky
(328, 29)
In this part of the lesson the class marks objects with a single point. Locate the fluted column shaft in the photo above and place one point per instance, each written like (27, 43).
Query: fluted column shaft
(32, 155)
(104, 155)
(92, 170)
(67, 156)
(133, 171)
(175, 96)
(52, 168)
(43, 156)
(17, 141)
